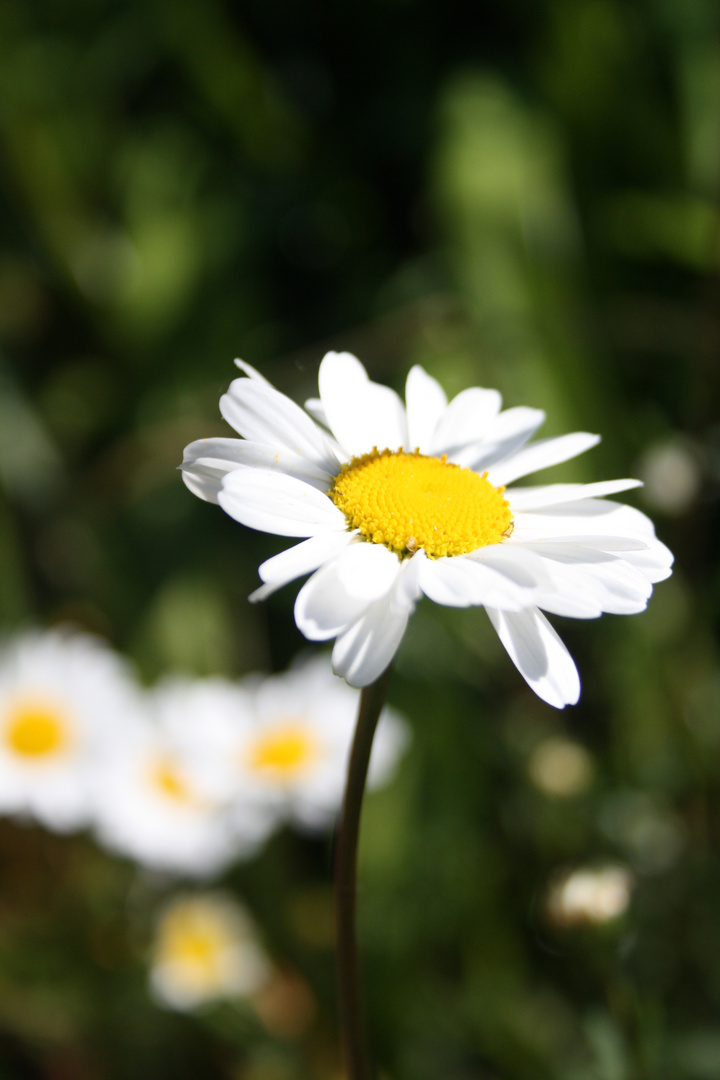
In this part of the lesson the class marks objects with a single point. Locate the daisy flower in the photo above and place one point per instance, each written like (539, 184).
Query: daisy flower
(587, 896)
(64, 696)
(205, 949)
(393, 502)
(288, 750)
(164, 794)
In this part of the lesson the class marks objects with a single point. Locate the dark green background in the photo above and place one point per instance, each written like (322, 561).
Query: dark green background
(520, 194)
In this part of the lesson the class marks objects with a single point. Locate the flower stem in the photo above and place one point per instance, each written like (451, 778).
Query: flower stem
(352, 1027)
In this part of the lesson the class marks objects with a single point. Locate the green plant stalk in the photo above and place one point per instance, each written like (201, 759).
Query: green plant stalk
(356, 1058)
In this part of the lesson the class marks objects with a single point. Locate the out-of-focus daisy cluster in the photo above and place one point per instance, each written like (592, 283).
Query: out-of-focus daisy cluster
(187, 776)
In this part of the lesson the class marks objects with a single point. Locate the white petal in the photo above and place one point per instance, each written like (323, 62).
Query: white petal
(506, 434)
(654, 561)
(223, 452)
(598, 517)
(572, 605)
(458, 581)
(363, 651)
(408, 584)
(426, 401)
(361, 414)
(614, 544)
(263, 415)
(207, 461)
(620, 587)
(341, 591)
(315, 407)
(536, 498)
(539, 655)
(252, 372)
(301, 559)
(581, 574)
(275, 503)
(578, 581)
(541, 455)
(203, 480)
(536, 577)
(562, 551)
(467, 419)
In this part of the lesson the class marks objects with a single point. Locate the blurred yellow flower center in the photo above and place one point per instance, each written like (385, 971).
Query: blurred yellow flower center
(171, 784)
(194, 946)
(410, 501)
(196, 949)
(36, 730)
(283, 752)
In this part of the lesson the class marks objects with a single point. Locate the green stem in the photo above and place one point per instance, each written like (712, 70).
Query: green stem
(352, 1027)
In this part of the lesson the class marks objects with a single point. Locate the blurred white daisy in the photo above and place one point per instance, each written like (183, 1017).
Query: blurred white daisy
(395, 501)
(205, 949)
(164, 795)
(289, 750)
(586, 896)
(64, 697)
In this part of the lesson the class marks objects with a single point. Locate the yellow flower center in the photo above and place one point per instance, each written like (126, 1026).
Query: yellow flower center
(193, 944)
(410, 501)
(169, 782)
(36, 729)
(283, 752)
(197, 949)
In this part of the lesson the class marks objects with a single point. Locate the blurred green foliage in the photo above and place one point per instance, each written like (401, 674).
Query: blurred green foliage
(520, 194)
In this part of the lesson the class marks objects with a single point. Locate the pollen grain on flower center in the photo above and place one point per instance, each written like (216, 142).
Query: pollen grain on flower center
(409, 501)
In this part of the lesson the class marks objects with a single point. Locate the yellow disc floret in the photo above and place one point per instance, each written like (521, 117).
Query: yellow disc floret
(410, 501)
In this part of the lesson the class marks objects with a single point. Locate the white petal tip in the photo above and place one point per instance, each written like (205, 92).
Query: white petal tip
(250, 371)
